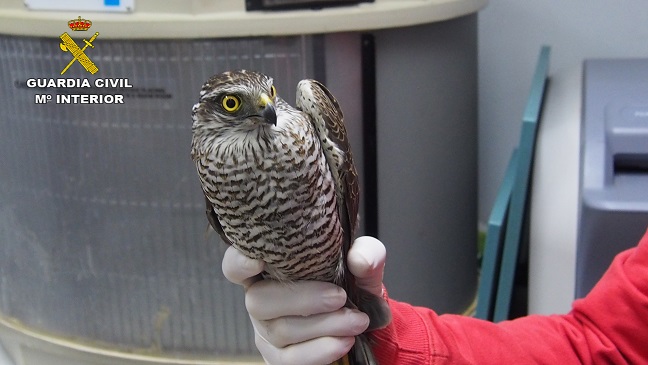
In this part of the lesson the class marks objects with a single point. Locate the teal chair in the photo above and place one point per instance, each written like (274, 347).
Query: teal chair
(508, 218)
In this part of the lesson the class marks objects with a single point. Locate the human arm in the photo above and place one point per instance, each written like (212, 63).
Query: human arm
(609, 326)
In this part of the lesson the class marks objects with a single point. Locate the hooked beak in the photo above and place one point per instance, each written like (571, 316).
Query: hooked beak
(269, 113)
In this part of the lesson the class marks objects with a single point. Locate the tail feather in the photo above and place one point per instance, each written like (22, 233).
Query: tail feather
(360, 354)
(342, 361)
(376, 308)
(380, 316)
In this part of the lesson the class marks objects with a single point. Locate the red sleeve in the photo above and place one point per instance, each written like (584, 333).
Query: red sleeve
(609, 326)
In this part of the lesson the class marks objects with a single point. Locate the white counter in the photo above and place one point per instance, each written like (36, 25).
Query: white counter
(228, 18)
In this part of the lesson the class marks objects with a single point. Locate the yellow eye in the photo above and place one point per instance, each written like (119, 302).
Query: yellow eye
(273, 92)
(231, 103)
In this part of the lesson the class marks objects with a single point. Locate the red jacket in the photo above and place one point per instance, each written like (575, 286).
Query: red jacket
(609, 326)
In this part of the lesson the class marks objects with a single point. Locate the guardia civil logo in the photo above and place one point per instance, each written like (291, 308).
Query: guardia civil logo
(78, 53)
(79, 90)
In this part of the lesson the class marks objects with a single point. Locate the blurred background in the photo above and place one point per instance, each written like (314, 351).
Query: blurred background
(103, 252)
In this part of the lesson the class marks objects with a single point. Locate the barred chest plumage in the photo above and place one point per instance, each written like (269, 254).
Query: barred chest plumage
(275, 197)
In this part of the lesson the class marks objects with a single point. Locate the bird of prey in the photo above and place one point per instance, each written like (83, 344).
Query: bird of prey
(280, 184)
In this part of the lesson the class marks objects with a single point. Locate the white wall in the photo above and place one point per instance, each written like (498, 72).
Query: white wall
(510, 35)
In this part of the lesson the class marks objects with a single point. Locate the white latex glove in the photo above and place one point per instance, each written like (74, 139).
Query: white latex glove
(306, 322)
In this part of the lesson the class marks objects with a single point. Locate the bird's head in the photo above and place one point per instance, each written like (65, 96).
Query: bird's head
(242, 100)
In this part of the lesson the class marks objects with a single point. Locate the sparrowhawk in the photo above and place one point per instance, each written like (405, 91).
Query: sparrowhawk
(280, 183)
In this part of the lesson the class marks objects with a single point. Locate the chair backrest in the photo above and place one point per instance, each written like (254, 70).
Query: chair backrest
(508, 217)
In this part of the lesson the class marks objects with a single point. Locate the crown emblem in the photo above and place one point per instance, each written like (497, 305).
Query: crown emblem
(79, 24)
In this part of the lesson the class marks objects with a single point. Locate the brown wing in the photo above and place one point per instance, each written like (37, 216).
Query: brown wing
(328, 119)
(214, 222)
(315, 99)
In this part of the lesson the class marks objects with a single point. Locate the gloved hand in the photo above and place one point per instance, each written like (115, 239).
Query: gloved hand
(306, 322)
